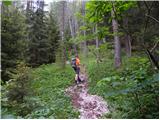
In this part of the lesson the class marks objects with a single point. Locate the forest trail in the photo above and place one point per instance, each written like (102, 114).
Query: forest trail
(89, 106)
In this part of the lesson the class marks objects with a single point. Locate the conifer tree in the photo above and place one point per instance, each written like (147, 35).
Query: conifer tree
(13, 38)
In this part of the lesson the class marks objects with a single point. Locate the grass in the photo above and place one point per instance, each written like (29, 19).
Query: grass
(49, 92)
(119, 87)
(47, 98)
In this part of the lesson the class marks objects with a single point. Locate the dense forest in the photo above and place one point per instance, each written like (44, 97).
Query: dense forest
(118, 46)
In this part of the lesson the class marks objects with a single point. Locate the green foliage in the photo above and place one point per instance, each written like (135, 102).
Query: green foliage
(47, 99)
(61, 55)
(13, 38)
(7, 2)
(98, 13)
(19, 84)
(49, 86)
(106, 50)
(43, 36)
(38, 45)
(131, 92)
(15, 91)
(97, 9)
(53, 37)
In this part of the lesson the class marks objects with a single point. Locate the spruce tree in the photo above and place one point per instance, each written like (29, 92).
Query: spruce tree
(43, 37)
(13, 38)
(38, 44)
(53, 36)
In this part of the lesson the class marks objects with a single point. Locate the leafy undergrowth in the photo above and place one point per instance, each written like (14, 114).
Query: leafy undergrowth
(131, 91)
(47, 97)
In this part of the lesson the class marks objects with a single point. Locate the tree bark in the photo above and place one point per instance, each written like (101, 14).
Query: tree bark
(117, 49)
(62, 28)
(98, 59)
(128, 45)
(85, 51)
(104, 40)
(72, 30)
(127, 39)
(97, 41)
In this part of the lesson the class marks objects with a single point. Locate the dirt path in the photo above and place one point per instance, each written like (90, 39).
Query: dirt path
(89, 106)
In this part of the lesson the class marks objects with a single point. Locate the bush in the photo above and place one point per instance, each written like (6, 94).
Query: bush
(15, 91)
(131, 91)
(49, 84)
(42, 94)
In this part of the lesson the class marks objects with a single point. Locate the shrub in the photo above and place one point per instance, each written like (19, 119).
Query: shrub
(131, 91)
(49, 84)
(15, 91)
(38, 93)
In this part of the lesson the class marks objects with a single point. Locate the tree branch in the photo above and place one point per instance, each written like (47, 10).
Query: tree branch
(148, 13)
(152, 17)
(116, 16)
(154, 47)
(146, 5)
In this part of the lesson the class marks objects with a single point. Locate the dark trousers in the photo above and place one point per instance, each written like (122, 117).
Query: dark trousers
(77, 70)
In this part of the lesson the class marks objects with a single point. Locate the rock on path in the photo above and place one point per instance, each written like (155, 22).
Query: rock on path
(89, 106)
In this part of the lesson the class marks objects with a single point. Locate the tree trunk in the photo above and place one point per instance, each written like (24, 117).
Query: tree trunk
(128, 45)
(72, 25)
(63, 5)
(76, 28)
(84, 47)
(97, 42)
(104, 40)
(71, 28)
(127, 39)
(98, 59)
(85, 51)
(117, 49)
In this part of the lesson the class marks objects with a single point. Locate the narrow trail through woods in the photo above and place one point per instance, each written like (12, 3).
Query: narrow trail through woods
(89, 106)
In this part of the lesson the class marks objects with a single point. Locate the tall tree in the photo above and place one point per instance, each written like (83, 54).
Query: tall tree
(127, 39)
(117, 52)
(38, 41)
(84, 31)
(53, 35)
(62, 30)
(13, 38)
(72, 25)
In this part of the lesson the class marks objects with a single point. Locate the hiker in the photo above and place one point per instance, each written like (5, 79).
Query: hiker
(76, 66)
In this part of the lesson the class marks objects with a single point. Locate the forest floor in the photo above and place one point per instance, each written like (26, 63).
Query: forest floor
(89, 106)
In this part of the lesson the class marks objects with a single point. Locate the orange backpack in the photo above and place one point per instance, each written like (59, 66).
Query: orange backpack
(77, 61)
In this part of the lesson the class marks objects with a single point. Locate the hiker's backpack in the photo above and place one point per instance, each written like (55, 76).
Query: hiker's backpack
(73, 62)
